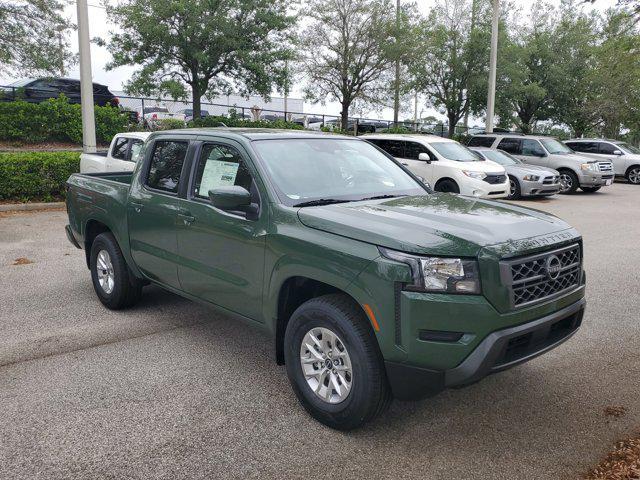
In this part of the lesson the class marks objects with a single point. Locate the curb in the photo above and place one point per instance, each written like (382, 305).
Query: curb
(27, 207)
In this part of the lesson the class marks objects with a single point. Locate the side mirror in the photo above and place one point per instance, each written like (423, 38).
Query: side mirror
(425, 157)
(539, 153)
(230, 198)
(617, 152)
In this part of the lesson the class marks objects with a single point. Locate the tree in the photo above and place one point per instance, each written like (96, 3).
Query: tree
(211, 47)
(345, 53)
(450, 65)
(33, 37)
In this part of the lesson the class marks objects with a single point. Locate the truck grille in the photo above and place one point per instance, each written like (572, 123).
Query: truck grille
(495, 179)
(551, 180)
(605, 166)
(542, 276)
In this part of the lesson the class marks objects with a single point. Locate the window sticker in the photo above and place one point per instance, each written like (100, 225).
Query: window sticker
(218, 173)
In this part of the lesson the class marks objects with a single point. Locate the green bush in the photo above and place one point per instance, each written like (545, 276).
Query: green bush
(56, 120)
(232, 121)
(169, 124)
(36, 176)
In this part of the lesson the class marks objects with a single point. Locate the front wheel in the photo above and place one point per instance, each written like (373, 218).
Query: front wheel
(589, 189)
(114, 284)
(633, 175)
(514, 189)
(447, 186)
(569, 182)
(334, 364)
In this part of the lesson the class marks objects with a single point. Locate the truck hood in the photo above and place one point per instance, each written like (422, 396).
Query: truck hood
(440, 223)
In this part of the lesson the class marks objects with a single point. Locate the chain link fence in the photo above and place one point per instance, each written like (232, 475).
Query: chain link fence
(148, 112)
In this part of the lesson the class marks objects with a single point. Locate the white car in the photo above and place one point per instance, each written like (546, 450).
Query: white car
(445, 164)
(121, 156)
(625, 157)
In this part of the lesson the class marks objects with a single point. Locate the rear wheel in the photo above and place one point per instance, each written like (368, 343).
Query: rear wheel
(447, 186)
(334, 364)
(514, 188)
(114, 284)
(589, 189)
(568, 182)
(633, 174)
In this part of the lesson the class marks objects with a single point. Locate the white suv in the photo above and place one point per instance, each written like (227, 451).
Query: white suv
(625, 157)
(447, 165)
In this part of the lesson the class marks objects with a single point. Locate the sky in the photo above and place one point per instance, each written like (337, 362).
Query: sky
(100, 27)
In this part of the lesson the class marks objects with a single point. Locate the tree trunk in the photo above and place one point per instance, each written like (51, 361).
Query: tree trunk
(196, 94)
(453, 120)
(344, 116)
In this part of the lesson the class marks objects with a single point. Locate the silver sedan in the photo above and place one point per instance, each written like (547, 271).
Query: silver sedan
(525, 180)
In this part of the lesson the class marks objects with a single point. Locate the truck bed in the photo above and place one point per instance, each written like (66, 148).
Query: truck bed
(98, 197)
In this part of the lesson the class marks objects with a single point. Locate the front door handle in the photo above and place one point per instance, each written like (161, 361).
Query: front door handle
(406, 164)
(137, 207)
(187, 218)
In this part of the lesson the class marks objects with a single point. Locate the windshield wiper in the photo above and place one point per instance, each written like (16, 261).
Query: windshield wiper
(379, 197)
(321, 201)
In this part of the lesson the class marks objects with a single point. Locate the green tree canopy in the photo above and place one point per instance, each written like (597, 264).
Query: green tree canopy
(33, 37)
(450, 65)
(211, 47)
(345, 51)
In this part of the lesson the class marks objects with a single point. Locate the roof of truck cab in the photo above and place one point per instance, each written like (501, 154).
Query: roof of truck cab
(251, 133)
(420, 137)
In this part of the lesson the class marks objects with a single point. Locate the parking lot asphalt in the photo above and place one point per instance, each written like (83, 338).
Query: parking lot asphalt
(171, 389)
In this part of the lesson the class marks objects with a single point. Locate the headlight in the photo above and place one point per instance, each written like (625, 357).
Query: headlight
(531, 178)
(436, 274)
(477, 175)
(591, 167)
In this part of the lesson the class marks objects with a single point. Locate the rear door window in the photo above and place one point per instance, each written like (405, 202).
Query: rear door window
(165, 166)
(481, 141)
(586, 147)
(511, 145)
(136, 146)
(120, 148)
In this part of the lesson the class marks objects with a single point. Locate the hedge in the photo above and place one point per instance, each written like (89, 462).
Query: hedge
(56, 120)
(233, 121)
(36, 176)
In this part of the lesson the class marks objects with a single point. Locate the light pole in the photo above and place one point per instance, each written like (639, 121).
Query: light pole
(396, 93)
(491, 95)
(86, 81)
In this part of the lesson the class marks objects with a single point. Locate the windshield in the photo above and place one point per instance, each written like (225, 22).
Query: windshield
(626, 148)
(332, 169)
(454, 151)
(500, 157)
(554, 146)
(21, 83)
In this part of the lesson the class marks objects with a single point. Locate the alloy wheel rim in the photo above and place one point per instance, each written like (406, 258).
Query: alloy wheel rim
(104, 268)
(512, 188)
(326, 365)
(565, 182)
(634, 175)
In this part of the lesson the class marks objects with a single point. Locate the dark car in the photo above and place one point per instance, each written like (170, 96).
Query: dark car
(36, 90)
(188, 114)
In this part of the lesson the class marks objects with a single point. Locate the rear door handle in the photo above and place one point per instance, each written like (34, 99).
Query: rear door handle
(406, 164)
(187, 218)
(137, 207)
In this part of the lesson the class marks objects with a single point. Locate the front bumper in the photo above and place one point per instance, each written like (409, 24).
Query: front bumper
(481, 189)
(498, 351)
(535, 189)
(595, 179)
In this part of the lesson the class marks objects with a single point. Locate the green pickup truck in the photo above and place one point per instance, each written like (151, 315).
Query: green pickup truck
(371, 285)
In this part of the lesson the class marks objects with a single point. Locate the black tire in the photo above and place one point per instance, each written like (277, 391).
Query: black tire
(126, 289)
(571, 182)
(370, 394)
(633, 174)
(589, 189)
(514, 186)
(447, 186)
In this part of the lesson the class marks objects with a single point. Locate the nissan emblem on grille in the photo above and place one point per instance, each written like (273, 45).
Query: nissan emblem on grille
(553, 267)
